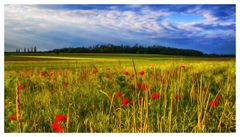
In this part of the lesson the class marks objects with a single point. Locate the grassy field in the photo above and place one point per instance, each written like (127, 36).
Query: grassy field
(119, 93)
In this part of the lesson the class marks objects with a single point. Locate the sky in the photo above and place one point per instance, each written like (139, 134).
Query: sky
(207, 28)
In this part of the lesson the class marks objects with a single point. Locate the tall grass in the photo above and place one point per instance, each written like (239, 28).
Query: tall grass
(87, 96)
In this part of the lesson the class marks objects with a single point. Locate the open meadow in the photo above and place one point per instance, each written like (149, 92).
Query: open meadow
(119, 93)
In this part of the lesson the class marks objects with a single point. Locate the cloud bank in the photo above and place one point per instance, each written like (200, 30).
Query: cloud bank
(208, 28)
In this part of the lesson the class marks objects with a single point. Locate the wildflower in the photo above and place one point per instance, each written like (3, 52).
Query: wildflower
(59, 129)
(177, 97)
(126, 73)
(12, 117)
(125, 101)
(144, 87)
(66, 84)
(20, 88)
(118, 94)
(142, 72)
(60, 118)
(54, 125)
(95, 71)
(213, 103)
(43, 74)
(51, 73)
(155, 95)
(139, 85)
(218, 97)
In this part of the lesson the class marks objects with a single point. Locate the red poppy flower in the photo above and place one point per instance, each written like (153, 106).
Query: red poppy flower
(55, 125)
(95, 71)
(142, 72)
(60, 118)
(177, 97)
(12, 117)
(66, 84)
(126, 73)
(139, 85)
(218, 97)
(125, 101)
(51, 73)
(118, 94)
(59, 129)
(213, 103)
(155, 95)
(43, 74)
(20, 88)
(144, 87)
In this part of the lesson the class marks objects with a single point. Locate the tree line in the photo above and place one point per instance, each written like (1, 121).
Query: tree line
(111, 48)
(27, 50)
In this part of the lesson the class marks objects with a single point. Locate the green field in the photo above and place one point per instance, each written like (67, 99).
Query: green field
(119, 93)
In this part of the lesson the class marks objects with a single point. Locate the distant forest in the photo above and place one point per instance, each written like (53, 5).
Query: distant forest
(110, 48)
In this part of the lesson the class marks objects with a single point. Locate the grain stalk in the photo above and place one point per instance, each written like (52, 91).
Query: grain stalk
(160, 123)
(135, 90)
(135, 78)
(146, 113)
(68, 117)
(18, 107)
(170, 116)
(134, 116)
(220, 120)
(141, 114)
(120, 119)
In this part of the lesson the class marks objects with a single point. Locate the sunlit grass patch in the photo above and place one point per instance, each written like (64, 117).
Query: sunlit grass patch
(120, 96)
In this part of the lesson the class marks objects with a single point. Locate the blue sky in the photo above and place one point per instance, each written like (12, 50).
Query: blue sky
(207, 28)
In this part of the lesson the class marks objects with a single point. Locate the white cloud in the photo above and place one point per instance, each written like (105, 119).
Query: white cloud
(24, 23)
(209, 18)
(43, 18)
